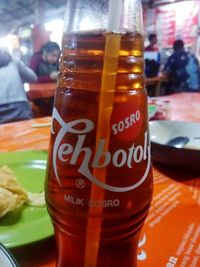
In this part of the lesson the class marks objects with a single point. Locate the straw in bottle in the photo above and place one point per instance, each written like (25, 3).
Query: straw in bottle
(108, 82)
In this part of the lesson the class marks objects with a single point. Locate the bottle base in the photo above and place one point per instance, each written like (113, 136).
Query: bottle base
(71, 252)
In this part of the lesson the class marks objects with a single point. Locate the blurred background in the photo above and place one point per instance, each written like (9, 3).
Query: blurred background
(27, 24)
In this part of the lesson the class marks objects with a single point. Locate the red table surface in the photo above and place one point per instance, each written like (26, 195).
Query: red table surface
(40, 90)
(171, 235)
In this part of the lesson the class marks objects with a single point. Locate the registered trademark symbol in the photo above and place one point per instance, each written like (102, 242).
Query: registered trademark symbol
(80, 183)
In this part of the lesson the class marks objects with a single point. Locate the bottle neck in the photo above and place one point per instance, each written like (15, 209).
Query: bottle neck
(110, 15)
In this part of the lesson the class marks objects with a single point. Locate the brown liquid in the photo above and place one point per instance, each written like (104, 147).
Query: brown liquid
(77, 97)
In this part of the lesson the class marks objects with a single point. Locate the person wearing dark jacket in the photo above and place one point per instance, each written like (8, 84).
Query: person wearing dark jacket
(45, 62)
(183, 70)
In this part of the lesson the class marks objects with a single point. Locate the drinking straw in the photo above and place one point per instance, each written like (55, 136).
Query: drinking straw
(110, 64)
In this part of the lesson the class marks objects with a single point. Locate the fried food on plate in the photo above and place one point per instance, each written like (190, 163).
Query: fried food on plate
(13, 195)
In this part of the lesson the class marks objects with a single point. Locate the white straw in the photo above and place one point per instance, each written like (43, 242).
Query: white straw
(114, 15)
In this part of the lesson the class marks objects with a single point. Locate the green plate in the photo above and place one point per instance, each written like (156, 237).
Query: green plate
(27, 224)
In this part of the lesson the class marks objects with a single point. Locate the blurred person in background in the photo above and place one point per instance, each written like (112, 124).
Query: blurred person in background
(14, 105)
(152, 58)
(152, 61)
(152, 43)
(183, 70)
(45, 62)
